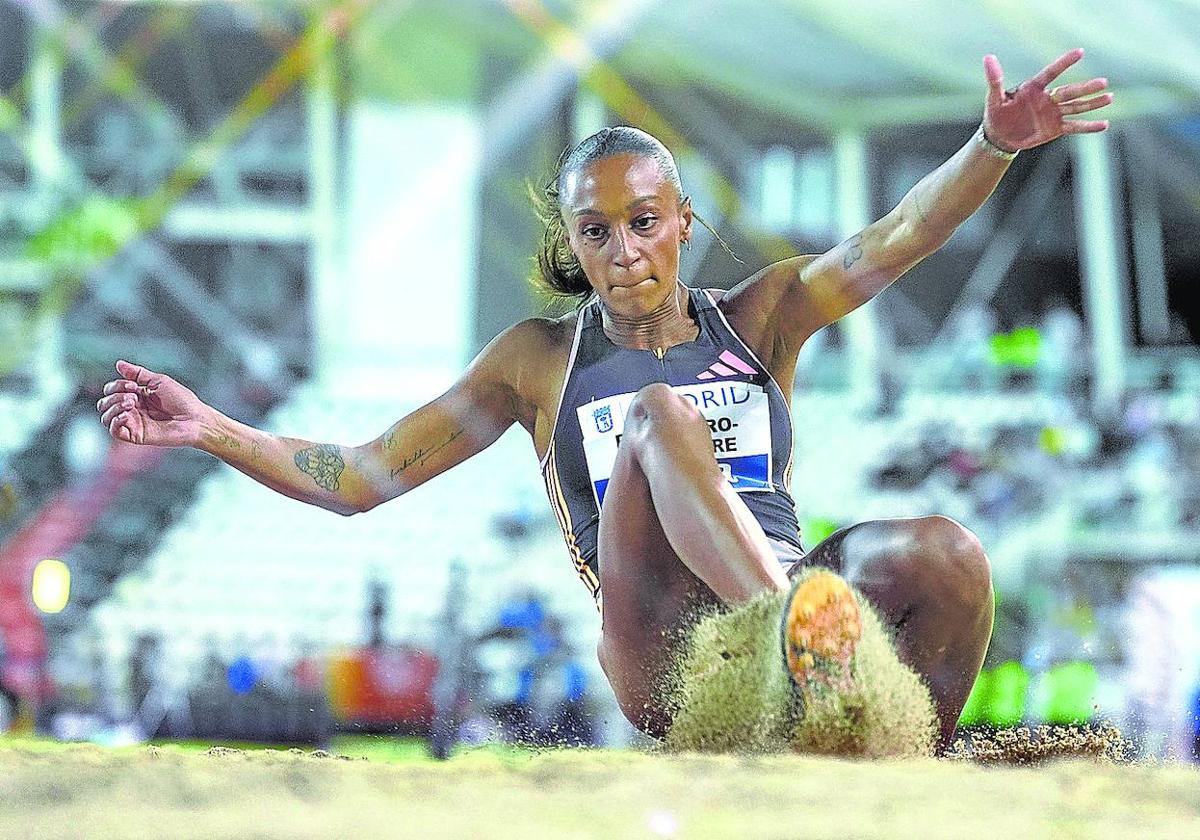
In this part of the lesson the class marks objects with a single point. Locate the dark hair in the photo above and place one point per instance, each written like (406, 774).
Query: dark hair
(559, 272)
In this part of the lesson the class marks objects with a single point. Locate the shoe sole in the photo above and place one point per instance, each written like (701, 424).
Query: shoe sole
(821, 629)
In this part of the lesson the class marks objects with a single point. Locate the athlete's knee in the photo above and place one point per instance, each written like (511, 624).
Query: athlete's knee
(954, 555)
(931, 558)
(657, 406)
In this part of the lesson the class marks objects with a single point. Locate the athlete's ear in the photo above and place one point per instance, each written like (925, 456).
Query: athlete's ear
(685, 219)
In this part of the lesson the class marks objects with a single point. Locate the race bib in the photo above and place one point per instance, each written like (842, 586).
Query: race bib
(739, 420)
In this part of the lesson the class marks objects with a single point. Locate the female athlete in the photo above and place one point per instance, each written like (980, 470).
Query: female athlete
(660, 414)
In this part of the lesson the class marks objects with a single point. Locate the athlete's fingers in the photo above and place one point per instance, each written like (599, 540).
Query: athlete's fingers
(123, 399)
(1055, 68)
(119, 428)
(995, 77)
(1066, 93)
(1084, 126)
(111, 412)
(1080, 106)
(118, 385)
(139, 374)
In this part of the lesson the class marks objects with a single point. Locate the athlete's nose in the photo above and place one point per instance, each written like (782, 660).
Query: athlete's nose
(626, 255)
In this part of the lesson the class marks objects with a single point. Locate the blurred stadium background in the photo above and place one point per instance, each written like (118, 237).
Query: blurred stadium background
(314, 214)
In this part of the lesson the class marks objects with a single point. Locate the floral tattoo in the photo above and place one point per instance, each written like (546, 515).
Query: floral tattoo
(323, 462)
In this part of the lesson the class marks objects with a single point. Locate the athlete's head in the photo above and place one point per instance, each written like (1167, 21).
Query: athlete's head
(615, 218)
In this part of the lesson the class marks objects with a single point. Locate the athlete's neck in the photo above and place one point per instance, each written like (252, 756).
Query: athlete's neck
(669, 324)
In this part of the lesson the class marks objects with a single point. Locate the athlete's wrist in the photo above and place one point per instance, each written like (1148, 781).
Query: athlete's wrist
(986, 144)
(213, 432)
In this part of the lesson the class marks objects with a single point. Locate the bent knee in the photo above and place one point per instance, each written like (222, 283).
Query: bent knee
(955, 546)
(658, 405)
(956, 556)
(930, 557)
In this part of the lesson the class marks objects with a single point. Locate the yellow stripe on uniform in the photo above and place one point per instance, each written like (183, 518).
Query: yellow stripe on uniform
(562, 513)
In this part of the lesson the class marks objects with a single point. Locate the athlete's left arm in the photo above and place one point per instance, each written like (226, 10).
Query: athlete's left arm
(814, 292)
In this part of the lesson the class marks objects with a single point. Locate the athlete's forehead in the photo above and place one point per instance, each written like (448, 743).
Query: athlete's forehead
(614, 185)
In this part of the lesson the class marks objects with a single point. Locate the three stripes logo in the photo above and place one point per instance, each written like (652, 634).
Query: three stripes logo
(729, 365)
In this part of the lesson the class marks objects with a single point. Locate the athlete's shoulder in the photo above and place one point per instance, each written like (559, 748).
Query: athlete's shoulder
(531, 351)
(536, 337)
(768, 282)
(753, 308)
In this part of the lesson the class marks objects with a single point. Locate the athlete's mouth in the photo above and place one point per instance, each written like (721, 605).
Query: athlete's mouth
(634, 284)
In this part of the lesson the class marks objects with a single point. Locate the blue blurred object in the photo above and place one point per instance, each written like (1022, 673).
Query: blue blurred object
(576, 679)
(543, 643)
(241, 675)
(525, 679)
(1196, 725)
(526, 614)
(1187, 128)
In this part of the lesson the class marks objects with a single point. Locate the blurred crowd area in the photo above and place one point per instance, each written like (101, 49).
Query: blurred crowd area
(1089, 513)
(253, 197)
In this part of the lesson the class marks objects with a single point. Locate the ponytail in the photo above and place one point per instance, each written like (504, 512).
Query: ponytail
(559, 272)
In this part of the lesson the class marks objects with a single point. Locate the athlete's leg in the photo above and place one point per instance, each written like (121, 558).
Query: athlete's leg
(673, 537)
(931, 581)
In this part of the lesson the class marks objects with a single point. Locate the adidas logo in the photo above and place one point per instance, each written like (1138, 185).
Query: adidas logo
(729, 365)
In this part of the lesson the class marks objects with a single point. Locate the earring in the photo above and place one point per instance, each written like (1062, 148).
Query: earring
(688, 244)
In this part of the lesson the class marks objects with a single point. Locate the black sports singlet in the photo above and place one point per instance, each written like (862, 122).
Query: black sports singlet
(747, 415)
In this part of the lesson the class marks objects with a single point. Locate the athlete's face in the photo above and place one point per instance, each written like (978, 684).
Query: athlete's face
(625, 223)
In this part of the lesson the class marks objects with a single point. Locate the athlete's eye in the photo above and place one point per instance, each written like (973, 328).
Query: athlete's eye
(592, 231)
(644, 222)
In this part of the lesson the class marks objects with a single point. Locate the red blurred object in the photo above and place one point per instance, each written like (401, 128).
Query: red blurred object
(51, 532)
(383, 686)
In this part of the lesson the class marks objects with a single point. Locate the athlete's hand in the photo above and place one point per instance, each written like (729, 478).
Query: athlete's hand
(150, 408)
(1032, 113)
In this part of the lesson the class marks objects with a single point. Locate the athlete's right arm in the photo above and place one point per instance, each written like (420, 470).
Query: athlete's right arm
(151, 408)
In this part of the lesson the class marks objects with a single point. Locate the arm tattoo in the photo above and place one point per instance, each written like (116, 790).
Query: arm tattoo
(420, 456)
(323, 462)
(222, 439)
(854, 251)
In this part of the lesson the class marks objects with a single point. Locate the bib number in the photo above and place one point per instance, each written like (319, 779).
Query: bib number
(739, 422)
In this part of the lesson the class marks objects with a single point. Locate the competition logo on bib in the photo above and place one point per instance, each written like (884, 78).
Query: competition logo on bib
(738, 417)
(603, 418)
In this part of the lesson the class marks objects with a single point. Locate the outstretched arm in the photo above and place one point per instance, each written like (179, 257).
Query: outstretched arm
(817, 291)
(150, 408)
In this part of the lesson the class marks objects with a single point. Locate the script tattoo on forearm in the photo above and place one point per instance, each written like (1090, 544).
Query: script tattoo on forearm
(420, 456)
(323, 462)
(854, 251)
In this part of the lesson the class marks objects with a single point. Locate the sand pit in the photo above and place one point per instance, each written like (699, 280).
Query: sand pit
(93, 792)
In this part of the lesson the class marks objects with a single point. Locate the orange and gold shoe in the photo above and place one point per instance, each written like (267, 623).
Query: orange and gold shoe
(821, 628)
